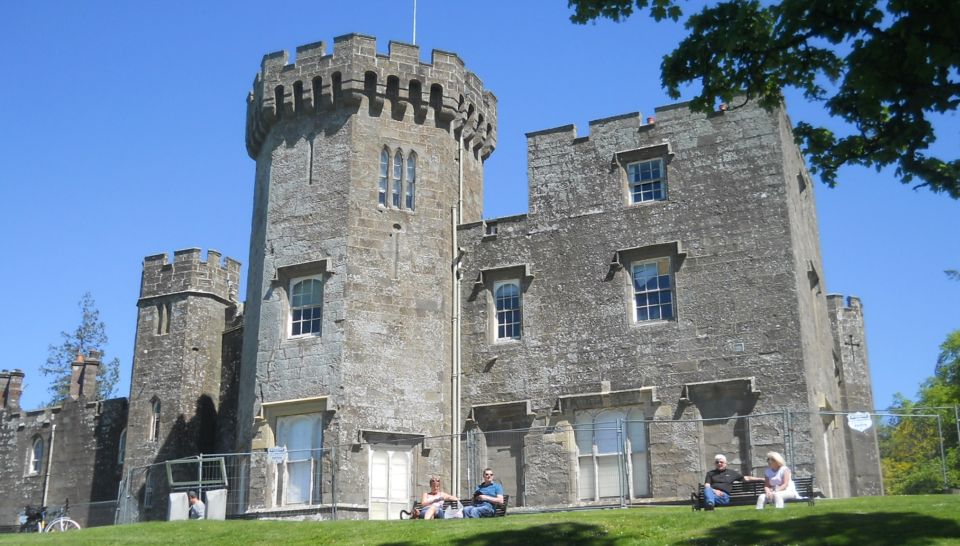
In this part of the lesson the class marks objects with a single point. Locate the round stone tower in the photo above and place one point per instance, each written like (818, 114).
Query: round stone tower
(365, 164)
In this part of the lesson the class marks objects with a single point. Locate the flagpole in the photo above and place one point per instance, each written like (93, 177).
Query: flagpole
(414, 22)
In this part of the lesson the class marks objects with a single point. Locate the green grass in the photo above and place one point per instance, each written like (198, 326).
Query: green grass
(914, 521)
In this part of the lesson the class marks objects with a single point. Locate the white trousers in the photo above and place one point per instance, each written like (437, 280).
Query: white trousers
(778, 498)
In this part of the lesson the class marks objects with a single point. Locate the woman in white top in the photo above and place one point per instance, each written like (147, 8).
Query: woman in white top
(432, 501)
(779, 482)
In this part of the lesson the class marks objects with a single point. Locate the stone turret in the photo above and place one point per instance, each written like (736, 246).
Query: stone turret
(365, 164)
(177, 366)
(317, 84)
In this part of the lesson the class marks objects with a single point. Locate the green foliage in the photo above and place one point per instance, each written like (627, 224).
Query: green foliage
(910, 446)
(90, 335)
(885, 68)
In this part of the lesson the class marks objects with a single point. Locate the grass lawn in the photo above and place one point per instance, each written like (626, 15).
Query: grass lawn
(919, 520)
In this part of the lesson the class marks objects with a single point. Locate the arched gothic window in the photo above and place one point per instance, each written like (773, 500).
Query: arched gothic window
(411, 181)
(36, 456)
(397, 178)
(155, 421)
(384, 174)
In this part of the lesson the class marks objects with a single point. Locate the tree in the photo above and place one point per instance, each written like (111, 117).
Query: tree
(909, 446)
(890, 68)
(90, 335)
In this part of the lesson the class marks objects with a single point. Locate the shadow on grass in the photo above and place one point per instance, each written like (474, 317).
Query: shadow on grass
(876, 529)
(553, 534)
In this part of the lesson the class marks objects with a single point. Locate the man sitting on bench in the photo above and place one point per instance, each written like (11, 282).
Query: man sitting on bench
(487, 494)
(716, 486)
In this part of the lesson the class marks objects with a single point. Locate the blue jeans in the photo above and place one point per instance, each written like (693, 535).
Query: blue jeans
(482, 510)
(710, 497)
(438, 514)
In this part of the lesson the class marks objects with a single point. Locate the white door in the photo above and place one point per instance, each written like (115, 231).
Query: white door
(389, 482)
(303, 437)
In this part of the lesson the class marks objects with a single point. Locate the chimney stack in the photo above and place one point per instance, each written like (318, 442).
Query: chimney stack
(14, 388)
(4, 383)
(76, 376)
(88, 379)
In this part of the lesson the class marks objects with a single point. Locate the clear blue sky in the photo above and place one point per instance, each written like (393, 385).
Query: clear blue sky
(123, 136)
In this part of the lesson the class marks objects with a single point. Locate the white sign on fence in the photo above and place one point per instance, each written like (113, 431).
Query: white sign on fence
(277, 454)
(859, 421)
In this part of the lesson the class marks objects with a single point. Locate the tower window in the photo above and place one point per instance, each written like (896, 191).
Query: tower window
(652, 290)
(306, 306)
(647, 182)
(36, 456)
(508, 303)
(384, 173)
(411, 181)
(154, 431)
(397, 178)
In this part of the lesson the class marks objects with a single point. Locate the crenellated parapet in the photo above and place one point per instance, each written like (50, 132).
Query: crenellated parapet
(189, 272)
(443, 92)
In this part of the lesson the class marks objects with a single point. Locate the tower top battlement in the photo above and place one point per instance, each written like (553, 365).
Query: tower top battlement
(442, 92)
(190, 273)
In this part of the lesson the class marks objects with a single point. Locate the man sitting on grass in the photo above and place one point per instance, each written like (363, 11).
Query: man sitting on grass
(487, 494)
(716, 486)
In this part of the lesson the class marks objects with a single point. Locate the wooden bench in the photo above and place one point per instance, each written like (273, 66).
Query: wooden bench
(498, 509)
(746, 493)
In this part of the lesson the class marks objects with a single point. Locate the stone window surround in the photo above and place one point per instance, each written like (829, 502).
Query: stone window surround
(282, 281)
(624, 158)
(153, 433)
(487, 280)
(623, 260)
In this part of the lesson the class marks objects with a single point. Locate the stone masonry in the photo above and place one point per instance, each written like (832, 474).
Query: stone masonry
(387, 324)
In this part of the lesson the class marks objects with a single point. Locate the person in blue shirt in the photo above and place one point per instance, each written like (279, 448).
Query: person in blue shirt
(487, 494)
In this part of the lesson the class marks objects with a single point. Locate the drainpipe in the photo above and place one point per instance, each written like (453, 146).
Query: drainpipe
(46, 479)
(455, 215)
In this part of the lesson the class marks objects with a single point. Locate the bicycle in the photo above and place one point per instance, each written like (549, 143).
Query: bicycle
(34, 520)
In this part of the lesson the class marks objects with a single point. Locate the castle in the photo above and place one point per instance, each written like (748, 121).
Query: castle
(666, 284)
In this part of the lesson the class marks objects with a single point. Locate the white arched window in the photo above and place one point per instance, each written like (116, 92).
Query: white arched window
(384, 174)
(411, 181)
(306, 306)
(36, 456)
(155, 420)
(397, 178)
(509, 312)
(601, 437)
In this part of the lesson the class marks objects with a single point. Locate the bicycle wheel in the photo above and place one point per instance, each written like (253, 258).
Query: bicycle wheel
(62, 525)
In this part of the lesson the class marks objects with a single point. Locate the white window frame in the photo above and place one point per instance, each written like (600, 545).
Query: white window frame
(648, 294)
(497, 285)
(634, 447)
(293, 309)
(635, 183)
(297, 459)
(36, 459)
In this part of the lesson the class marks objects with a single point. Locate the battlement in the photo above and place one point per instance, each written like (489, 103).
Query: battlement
(443, 92)
(189, 272)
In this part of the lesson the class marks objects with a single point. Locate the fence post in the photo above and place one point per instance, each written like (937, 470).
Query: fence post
(943, 457)
(333, 481)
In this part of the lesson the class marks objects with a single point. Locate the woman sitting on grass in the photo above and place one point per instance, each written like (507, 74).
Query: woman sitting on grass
(779, 482)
